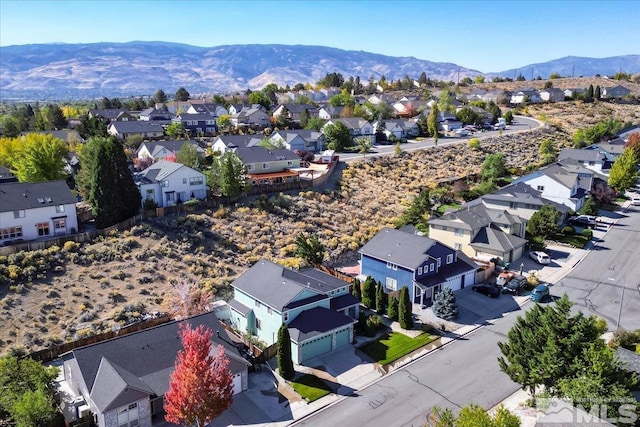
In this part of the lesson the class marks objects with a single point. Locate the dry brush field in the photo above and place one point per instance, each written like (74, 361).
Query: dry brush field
(65, 293)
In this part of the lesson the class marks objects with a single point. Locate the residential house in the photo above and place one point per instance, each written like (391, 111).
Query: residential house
(67, 135)
(590, 159)
(223, 143)
(300, 139)
(175, 107)
(317, 308)
(197, 124)
(215, 110)
(378, 98)
(35, 210)
(295, 111)
(389, 128)
(155, 115)
(448, 121)
(408, 108)
(615, 92)
(159, 150)
(423, 265)
(109, 115)
(358, 127)
(521, 200)
(525, 95)
(574, 92)
(122, 381)
(559, 184)
(498, 96)
(328, 112)
(625, 133)
(170, 183)
(122, 130)
(6, 175)
(552, 94)
(254, 116)
(266, 167)
(481, 232)
(611, 150)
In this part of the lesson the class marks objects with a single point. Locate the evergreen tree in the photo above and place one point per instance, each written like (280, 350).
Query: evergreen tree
(381, 298)
(356, 290)
(182, 94)
(112, 193)
(304, 118)
(543, 223)
(405, 309)
(444, 305)
(597, 94)
(232, 173)
(589, 95)
(55, 117)
(285, 363)
(590, 207)
(369, 292)
(188, 155)
(160, 97)
(392, 310)
(432, 122)
(310, 248)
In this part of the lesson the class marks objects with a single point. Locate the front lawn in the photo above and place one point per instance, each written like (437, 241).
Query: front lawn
(310, 387)
(575, 240)
(391, 347)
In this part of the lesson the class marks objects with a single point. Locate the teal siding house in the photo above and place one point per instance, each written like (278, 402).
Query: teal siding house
(317, 308)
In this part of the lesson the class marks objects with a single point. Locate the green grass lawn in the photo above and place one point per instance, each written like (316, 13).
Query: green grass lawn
(391, 347)
(443, 208)
(575, 240)
(310, 387)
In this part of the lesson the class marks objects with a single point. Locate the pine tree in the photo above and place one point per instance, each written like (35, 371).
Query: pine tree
(381, 298)
(589, 95)
(201, 386)
(405, 312)
(392, 310)
(356, 290)
(444, 305)
(369, 292)
(597, 93)
(285, 363)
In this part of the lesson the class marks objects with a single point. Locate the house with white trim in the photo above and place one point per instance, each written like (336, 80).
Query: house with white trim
(169, 183)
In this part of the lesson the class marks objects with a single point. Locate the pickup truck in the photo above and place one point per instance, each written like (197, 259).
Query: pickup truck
(505, 277)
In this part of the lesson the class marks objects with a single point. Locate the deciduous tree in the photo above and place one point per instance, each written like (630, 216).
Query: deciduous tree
(175, 130)
(493, 167)
(624, 171)
(40, 157)
(283, 355)
(260, 98)
(634, 143)
(201, 386)
(188, 155)
(338, 136)
(232, 174)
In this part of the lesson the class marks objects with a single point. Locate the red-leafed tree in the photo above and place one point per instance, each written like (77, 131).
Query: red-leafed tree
(201, 386)
(634, 142)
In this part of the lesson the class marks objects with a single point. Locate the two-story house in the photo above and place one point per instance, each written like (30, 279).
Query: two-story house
(590, 159)
(155, 115)
(170, 183)
(294, 111)
(36, 210)
(253, 116)
(122, 130)
(317, 308)
(423, 265)
(122, 381)
(267, 167)
(164, 149)
(109, 115)
(481, 232)
(358, 127)
(215, 110)
(552, 94)
(197, 124)
(300, 139)
(525, 95)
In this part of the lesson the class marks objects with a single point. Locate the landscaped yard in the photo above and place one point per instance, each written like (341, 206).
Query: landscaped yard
(391, 347)
(576, 240)
(310, 387)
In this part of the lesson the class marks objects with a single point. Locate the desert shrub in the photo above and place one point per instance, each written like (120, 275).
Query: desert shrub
(130, 313)
(71, 246)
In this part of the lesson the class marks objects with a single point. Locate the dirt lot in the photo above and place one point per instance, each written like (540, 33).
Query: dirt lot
(120, 278)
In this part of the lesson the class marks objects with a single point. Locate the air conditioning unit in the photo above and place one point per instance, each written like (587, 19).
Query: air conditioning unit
(83, 411)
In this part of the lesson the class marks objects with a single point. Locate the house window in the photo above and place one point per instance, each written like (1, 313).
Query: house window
(419, 271)
(250, 167)
(391, 284)
(43, 228)
(150, 194)
(258, 304)
(439, 262)
(449, 258)
(269, 310)
(10, 232)
(540, 187)
(592, 163)
(285, 316)
(195, 180)
(258, 324)
(431, 268)
(184, 180)
(59, 223)
(289, 163)
(458, 232)
(165, 183)
(19, 214)
(60, 209)
(265, 166)
(128, 416)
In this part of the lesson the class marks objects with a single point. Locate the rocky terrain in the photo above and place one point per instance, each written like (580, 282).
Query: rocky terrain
(65, 293)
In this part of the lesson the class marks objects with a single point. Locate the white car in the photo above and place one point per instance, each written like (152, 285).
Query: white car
(540, 257)
(635, 201)
(461, 132)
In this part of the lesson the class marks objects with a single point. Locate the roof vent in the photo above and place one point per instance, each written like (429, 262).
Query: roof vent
(40, 200)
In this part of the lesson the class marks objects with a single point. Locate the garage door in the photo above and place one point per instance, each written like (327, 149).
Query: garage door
(342, 338)
(316, 347)
(237, 383)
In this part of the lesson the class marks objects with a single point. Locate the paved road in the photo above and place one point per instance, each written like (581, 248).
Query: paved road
(521, 124)
(462, 372)
(609, 274)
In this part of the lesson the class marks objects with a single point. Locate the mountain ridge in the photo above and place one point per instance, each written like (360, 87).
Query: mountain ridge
(90, 70)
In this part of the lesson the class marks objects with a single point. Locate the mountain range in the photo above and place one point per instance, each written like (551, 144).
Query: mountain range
(73, 71)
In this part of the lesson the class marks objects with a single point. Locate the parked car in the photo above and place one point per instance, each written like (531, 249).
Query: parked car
(635, 201)
(504, 277)
(540, 257)
(540, 293)
(515, 286)
(488, 289)
(461, 132)
(583, 221)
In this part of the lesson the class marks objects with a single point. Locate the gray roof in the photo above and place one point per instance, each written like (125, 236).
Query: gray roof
(629, 360)
(473, 217)
(613, 147)
(317, 321)
(173, 146)
(462, 265)
(400, 248)
(238, 306)
(238, 140)
(201, 117)
(308, 135)
(491, 237)
(259, 154)
(521, 193)
(580, 155)
(160, 170)
(137, 126)
(144, 358)
(627, 132)
(559, 174)
(67, 135)
(276, 286)
(111, 381)
(108, 113)
(31, 195)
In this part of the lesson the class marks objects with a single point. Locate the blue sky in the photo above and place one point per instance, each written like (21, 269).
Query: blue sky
(483, 35)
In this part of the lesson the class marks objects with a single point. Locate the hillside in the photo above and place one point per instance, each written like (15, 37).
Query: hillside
(126, 275)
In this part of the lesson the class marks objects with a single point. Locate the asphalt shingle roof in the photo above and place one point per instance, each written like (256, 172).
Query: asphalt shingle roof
(398, 247)
(317, 321)
(30, 195)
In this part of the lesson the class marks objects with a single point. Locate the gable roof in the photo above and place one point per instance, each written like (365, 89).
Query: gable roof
(136, 126)
(257, 154)
(520, 193)
(232, 141)
(32, 195)
(160, 170)
(400, 248)
(108, 113)
(559, 174)
(474, 217)
(316, 321)
(580, 155)
(491, 237)
(111, 381)
(144, 359)
(174, 146)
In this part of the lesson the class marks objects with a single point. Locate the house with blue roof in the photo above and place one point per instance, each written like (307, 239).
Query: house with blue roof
(424, 266)
(317, 308)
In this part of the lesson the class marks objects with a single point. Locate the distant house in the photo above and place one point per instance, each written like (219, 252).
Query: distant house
(162, 149)
(423, 265)
(6, 175)
(574, 92)
(122, 381)
(615, 92)
(197, 124)
(215, 110)
(34, 210)
(590, 159)
(267, 167)
(224, 143)
(155, 115)
(328, 112)
(358, 127)
(295, 111)
(250, 116)
(525, 95)
(300, 139)
(552, 94)
(317, 308)
(611, 150)
(109, 115)
(169, 183)
(625, 133)
(122, 130)
(67, 135)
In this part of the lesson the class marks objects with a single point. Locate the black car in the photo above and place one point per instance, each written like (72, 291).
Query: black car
(515, 285)
(583, 221)
(487, 289)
